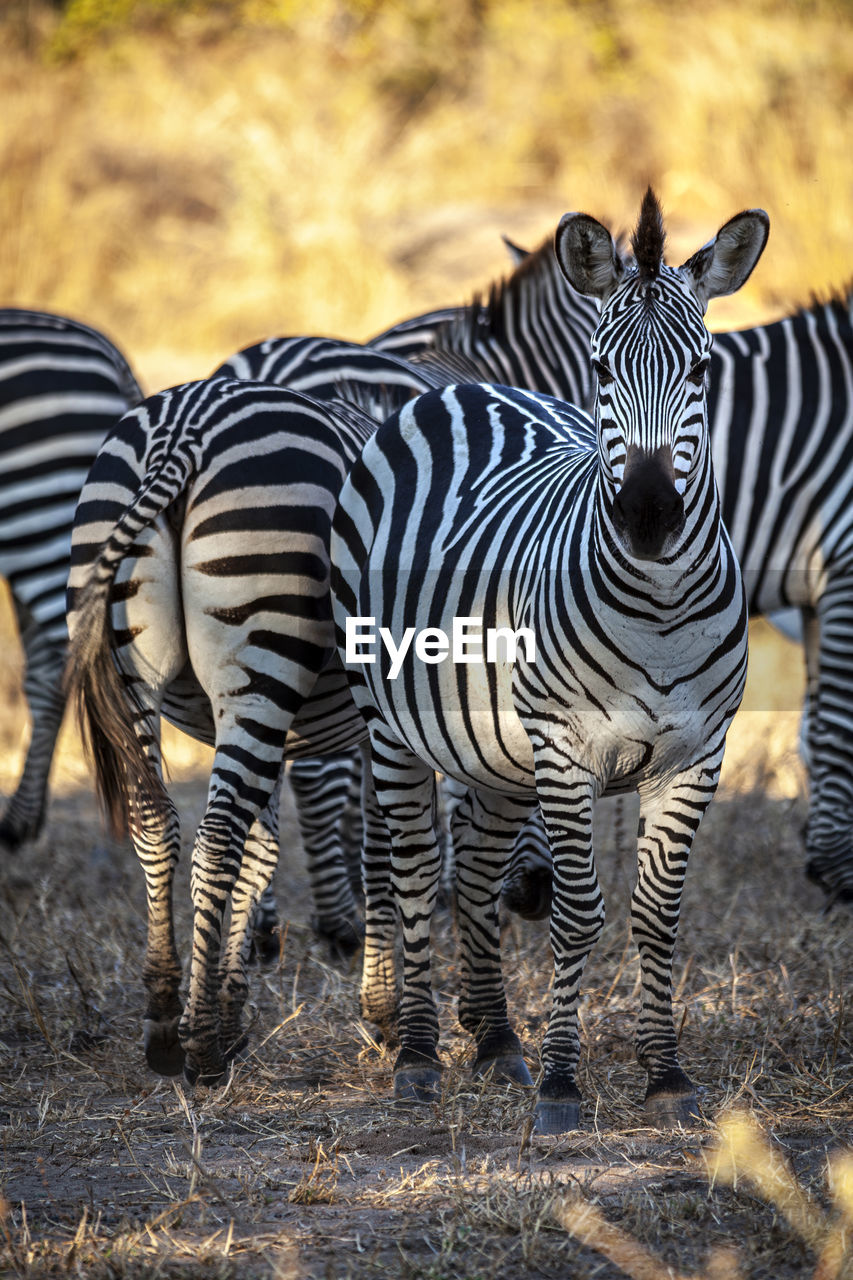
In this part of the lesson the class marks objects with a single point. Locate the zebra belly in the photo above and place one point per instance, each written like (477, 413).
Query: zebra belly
(460, 720)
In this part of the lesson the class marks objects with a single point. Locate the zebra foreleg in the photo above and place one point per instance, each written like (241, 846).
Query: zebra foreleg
(566, 795)
(405, 792)
(321, 790)
(485, 829)
(668, 822)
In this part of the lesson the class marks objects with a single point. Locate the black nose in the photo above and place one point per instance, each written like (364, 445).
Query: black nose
(648, 509)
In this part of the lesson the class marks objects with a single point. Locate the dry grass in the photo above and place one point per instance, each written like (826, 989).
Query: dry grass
(327, 167)
(302, 1167)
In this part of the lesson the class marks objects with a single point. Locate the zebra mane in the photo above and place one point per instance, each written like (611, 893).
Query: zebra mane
(487, 315)
(647, 242)
(837, 297)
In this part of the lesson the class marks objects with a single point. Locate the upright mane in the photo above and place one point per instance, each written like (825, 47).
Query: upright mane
(839, 298)
(647, 242)
(488, 312)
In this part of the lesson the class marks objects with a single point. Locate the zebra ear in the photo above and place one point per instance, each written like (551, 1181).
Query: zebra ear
(726, 262)
(587, 255)
(516, 253)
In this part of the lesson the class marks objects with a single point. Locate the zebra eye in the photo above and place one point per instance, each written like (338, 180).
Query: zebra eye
(602, 372)
(698, 371)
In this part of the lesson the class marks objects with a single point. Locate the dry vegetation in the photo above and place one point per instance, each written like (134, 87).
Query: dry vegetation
(192, 177)
(190, 181)
(301, 1166)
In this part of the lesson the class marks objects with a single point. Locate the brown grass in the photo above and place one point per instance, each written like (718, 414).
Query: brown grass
(301, 1166)
(328, 167)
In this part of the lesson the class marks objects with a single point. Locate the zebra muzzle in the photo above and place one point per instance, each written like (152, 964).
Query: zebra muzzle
(648, 511)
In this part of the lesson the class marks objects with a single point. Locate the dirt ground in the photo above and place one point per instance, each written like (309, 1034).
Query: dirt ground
(301, 1165)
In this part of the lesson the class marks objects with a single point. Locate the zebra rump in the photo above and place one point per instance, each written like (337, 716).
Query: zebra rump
(62, 386)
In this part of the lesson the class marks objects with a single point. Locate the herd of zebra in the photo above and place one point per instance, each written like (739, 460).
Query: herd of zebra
(568, 455)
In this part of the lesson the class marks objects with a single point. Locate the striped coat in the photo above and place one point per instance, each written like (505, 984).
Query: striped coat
(601, 550)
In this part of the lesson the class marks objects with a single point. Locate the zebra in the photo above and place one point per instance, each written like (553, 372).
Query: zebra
(780, 411)
(199, 589)
(324, 367)
(62, 386)
(597, 548)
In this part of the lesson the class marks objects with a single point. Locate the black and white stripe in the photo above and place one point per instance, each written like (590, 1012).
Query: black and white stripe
(604, 540)
(322, 367)
(199, 590)
(780, 411)
(62, 386)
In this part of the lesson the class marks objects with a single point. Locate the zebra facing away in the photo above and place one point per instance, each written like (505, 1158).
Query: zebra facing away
(199, 590)
(62, 386)
(600, 545)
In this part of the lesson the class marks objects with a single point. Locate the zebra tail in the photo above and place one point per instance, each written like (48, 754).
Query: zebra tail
(105, 704)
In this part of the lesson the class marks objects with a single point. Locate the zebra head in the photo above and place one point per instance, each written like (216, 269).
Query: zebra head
(650, 355)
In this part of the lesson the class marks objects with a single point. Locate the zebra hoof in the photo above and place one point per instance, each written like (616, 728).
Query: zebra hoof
(672, 1110)
(266, 947)
(504, 1068)
(417, 1084)
(210, 1077)
(529, 895)
(552, 1118)
(163, 1051)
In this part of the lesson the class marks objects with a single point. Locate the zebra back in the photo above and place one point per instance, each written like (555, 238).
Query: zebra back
(325, 367)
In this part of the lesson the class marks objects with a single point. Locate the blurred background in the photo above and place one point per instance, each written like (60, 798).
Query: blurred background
(193, 175)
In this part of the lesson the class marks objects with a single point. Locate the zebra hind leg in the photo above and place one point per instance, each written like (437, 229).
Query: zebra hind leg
(264, 937)
(379, 996)
(155, 831)
(485, 829)
(260, 856)
(25, 813)
(321, 790)
(528, 882)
